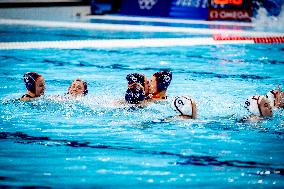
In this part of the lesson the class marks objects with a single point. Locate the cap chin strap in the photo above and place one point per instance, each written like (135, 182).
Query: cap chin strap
(259, 109)
(274, 96)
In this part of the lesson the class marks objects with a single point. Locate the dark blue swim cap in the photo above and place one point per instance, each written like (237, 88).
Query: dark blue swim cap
(30, 81)
(136, 78)
(135, 94)
(164, 79)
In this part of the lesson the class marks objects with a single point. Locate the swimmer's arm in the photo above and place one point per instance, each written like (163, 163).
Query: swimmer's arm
(251, 118)
(171, 118)
(164, 120)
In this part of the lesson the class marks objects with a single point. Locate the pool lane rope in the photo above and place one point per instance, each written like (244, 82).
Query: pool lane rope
(227, 37)
(119, 43)
(266, 39)
(139, 43)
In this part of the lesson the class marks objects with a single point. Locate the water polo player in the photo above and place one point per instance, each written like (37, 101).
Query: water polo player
(78, 88)
(258, 106)
(159, 84)
(185, 107)
(35, 85)
(139, 78)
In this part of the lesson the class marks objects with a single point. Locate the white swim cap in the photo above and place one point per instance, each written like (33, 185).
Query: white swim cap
(183, 105)
(271, 96)
(252, 104)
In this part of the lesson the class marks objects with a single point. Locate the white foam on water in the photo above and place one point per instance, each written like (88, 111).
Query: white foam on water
(263, 21)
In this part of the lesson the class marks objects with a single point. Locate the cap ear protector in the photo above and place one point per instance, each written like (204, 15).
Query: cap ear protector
(183, 105)
(252, 105)
(30, 81)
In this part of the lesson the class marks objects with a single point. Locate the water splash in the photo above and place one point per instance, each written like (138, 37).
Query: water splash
(263, 21)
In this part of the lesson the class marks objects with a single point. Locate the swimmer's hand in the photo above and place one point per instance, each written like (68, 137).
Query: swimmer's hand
(165, 120)
(251, 118)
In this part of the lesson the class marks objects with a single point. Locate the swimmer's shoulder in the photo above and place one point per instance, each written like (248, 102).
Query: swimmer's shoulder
(26, 97)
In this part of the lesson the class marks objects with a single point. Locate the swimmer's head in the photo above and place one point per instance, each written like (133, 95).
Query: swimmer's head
(185, 106)
(34, 83)
(135, 94)
(161, 81)
(258, 105)
(78, 88)
(135, 78)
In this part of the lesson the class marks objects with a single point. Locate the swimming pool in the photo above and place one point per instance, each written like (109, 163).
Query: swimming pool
(96, 144)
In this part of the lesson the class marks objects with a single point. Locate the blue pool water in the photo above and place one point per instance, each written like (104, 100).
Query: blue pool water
(95, 143)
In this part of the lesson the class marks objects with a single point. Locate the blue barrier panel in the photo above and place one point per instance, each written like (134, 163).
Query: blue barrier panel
(194, 9)
(146, 7)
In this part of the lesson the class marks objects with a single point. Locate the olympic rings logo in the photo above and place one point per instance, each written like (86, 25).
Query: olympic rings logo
(147, 4)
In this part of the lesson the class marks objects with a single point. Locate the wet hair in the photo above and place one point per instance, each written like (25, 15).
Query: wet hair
(135, 78)
(164, 79)
(30, 79)
(135, 94)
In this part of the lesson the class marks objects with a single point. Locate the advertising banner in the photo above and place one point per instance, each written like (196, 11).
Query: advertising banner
(230, 10)
(194, 9)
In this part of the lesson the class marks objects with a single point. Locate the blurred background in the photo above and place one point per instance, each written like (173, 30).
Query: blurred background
(239, 10)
